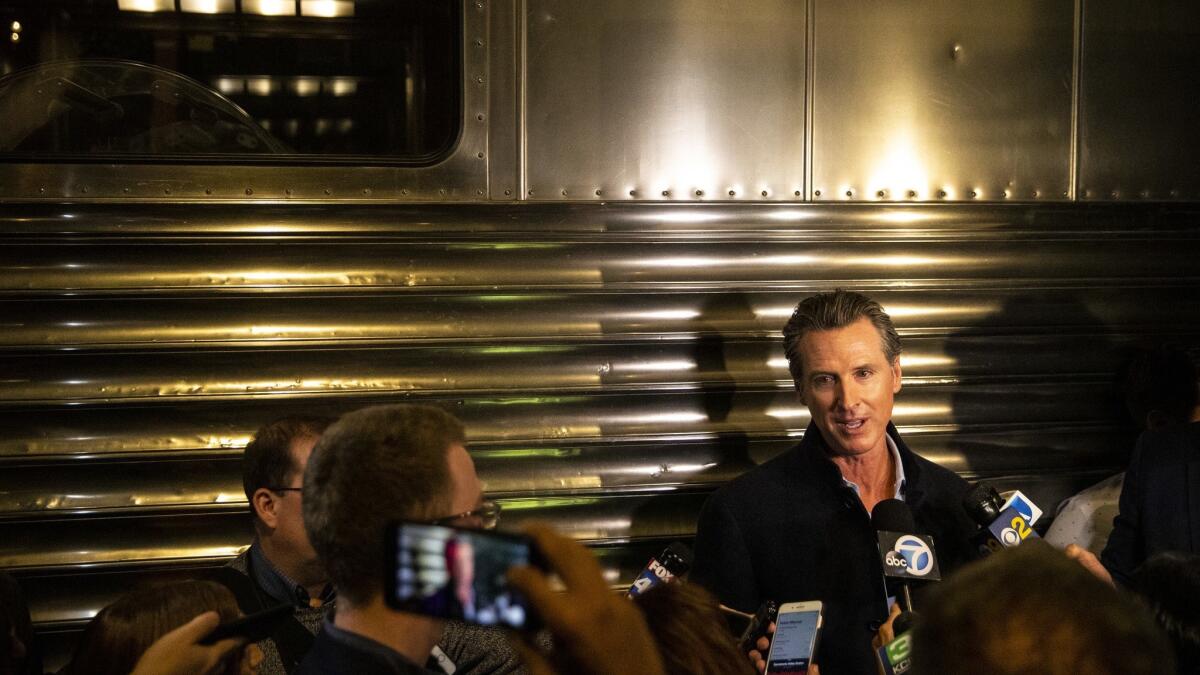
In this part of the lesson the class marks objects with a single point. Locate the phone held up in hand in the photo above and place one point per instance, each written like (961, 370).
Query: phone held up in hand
(456, 573)
(797, 630)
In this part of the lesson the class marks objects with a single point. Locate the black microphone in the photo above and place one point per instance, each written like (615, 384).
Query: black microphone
(905, 554)
(674, 561)
(1001, 525)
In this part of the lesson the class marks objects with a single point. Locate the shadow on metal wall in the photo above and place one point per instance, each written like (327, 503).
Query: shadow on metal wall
(1065, 417)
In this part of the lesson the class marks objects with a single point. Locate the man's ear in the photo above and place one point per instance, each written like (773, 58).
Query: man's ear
(264, 506)
(896, 375)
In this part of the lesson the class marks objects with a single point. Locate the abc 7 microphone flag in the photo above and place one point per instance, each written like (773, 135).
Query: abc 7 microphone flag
(908, 556)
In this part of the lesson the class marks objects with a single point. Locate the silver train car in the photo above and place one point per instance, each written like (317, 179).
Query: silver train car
(582, 226)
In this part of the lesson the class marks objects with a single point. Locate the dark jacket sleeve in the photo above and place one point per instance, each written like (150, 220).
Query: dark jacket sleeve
(722, 562)
(1125, 550)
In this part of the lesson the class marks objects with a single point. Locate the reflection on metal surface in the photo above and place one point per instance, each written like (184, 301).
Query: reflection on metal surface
(146, 5)
(269, 7)
(327, 8)
(576, 266)
(1139, 124)
(208, 6)
(674, 100)
(942, 101)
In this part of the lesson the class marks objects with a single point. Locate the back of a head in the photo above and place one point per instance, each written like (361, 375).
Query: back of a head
(830, 311)
(1170, 584)
(267, 459)
(374, 466)
(1160, 386)
(1030, 610)
(692, 636)
(116, 637)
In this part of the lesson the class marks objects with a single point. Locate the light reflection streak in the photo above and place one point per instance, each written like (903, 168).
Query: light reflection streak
(681, 217)
(146, 5)
(904, 217)
(669, 418)
(669, 314)
(918, 410)
(909, 311)
(915, 361)
(898, 260)
(656, 366)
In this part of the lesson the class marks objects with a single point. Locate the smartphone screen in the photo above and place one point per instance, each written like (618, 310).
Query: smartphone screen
(794, 641)
(454, 573)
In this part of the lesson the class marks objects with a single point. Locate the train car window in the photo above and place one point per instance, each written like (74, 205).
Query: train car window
(375, 81)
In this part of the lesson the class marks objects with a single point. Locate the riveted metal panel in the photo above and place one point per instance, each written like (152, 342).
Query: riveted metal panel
(502, 116)
(1139, 121)
(947, 100)
(677, 100)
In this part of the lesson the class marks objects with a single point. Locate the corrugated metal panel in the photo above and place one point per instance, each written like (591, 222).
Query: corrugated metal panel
(613, 363)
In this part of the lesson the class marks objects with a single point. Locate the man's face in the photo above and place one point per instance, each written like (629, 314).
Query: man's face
(466, 491)
(849, 387)
(289, 525)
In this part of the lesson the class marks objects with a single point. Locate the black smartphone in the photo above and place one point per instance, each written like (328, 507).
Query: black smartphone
(254, 627)
(456, 573)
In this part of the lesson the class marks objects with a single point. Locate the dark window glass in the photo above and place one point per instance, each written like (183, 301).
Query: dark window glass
(336, 80)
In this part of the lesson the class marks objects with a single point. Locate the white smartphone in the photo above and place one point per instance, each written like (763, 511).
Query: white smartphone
(797, 629)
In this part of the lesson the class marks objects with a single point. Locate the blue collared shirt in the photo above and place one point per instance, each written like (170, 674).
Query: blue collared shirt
(278, 585)
(899, 476)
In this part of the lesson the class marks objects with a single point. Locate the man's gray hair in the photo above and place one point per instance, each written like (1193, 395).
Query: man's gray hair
(830, 311)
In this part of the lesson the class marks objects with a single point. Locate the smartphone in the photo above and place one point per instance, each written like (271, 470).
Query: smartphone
(456, 573)
(254, 627)
(797, 629)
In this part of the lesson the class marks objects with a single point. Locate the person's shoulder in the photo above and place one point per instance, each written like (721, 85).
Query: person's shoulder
(238, 563)
(1179, 439)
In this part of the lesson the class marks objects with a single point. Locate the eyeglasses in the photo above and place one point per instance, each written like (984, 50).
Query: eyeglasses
(285, 489)
(488, 515)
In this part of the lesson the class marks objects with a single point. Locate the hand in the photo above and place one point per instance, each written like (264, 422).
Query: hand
(252, 658)
(179, 652)
(596, 631)
(886, 632)
(758, 655)
(1090, 562)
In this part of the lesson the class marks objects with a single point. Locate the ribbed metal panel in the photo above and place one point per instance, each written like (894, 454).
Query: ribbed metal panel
(613, 363)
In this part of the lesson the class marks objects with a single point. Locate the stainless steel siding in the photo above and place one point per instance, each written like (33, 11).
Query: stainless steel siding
(613, 363)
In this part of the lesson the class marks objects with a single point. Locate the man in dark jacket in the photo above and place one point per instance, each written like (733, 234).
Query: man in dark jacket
(1160, 501)
(799, 526)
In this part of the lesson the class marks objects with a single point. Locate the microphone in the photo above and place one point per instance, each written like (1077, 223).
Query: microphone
(674, 561)
(1003, 524)
(896, 656)
(905, 554)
